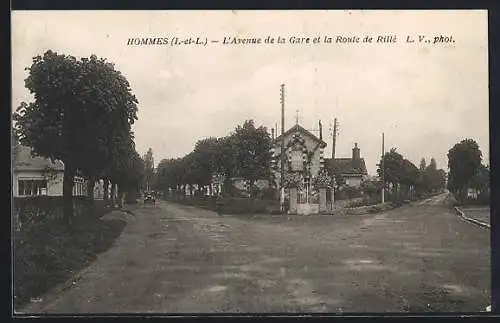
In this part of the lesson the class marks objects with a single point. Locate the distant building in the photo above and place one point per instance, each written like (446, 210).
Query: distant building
(352, 170)
(473, 193)
(303, 153)
(32, 176)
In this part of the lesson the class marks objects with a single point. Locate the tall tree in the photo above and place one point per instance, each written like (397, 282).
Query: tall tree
(393, 168)
(225, 163)
(131, 175)
(162, 172)
(481, 181)
(409, 173)
(435, 179)
(148, 169)
(252, 153)
(80, 109)
(204, 159)
(410, 177)
(422, 184)
(464, 160)
(422, 165)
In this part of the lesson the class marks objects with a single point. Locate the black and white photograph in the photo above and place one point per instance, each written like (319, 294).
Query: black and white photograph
(241, 162)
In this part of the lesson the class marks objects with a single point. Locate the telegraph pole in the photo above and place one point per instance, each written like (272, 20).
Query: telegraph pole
(334, 139)
(282, 168)
(383, 170)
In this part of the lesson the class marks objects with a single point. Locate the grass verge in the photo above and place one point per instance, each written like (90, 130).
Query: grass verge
(233, 205)
(47, 254)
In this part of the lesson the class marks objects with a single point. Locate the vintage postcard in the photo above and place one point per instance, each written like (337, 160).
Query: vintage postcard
(326, 161)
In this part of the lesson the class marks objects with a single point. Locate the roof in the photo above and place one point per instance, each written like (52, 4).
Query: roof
(345, 166)
(22, 160)
(301, 129)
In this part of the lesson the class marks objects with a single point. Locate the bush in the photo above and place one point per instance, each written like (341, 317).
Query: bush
(268, 193)
(372, 188)
(348, 192)
(40, 209)
(482, 199)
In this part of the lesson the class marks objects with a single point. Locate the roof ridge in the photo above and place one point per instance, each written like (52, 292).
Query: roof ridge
(302, 129)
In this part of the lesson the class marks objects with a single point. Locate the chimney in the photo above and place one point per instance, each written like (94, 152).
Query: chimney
(355, 155)
(272, 133)
(320, 131)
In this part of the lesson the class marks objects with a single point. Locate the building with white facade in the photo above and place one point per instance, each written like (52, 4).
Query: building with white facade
(33, 176)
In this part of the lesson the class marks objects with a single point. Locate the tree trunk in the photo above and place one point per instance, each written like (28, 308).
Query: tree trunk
(226, 189)
(464, 194)
(113, 194)
(106, 191)
(68, 182)
(251, 187)
(90, 189)
(121, 196)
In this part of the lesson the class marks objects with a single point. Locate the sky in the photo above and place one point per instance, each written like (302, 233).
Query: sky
(424, 97)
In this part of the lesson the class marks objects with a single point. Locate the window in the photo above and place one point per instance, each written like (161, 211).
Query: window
(297, 164)
(32, 187)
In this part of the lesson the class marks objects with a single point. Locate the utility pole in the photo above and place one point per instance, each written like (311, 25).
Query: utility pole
(334, 135)
(282, 156)
(383, 170)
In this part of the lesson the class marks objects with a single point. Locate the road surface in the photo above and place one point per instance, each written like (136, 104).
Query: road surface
(179, 259)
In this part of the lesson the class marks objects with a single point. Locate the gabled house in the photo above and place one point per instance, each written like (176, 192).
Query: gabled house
(351, 170)
(303, 153)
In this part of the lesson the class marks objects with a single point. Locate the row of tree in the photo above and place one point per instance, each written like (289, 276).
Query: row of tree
(244, 153)
(404, 179)
(465, 171)
(81, 114)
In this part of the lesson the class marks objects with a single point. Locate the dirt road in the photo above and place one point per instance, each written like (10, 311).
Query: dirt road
(179, 259)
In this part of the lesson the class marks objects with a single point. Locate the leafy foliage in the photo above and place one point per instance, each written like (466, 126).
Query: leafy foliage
(393, 164)
(149, 165)
(409, 173)
(323, 179)
(81, 114)
(252, 148)
(481, 181)
(372, 188)
(244, 153)
(399, 171)
(293, 179)
(464, 161)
